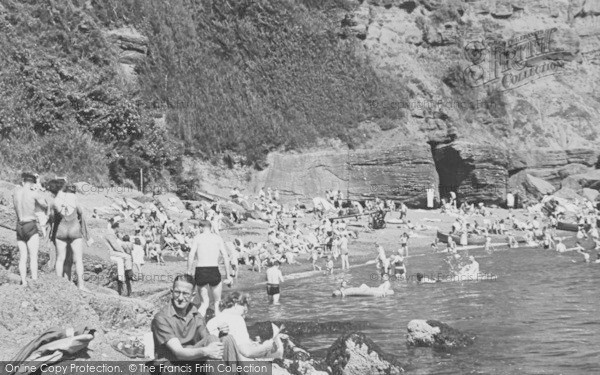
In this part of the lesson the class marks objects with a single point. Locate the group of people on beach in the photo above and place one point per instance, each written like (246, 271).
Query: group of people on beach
(49, 213)
(535, 232)
(180, 330)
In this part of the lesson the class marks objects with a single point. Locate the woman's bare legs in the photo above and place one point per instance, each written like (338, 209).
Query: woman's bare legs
(77, 247)
(61, 255)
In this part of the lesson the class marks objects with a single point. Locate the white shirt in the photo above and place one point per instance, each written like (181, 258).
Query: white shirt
(237, 326)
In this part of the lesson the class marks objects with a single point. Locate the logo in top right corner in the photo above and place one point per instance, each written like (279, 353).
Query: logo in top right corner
(511, 63)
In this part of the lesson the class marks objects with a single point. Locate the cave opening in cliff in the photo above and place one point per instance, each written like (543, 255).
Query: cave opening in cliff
(452, 170)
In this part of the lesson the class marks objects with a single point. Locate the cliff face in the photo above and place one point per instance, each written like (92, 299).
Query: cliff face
(403, 172)
(498, 87)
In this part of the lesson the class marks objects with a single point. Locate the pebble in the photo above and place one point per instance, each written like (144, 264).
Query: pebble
(24, 304)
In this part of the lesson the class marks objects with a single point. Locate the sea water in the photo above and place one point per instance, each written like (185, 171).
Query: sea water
(541, 316)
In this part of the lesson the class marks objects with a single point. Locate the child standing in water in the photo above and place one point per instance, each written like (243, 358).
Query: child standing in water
(329, 265)
(488, 244)
(274, 278)
(315, 257)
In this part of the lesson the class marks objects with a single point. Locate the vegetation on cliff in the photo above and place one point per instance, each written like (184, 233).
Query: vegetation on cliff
(231, 76)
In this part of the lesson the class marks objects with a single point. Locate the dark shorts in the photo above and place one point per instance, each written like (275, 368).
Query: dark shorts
(272, 289)
(399, 271)
(26, 230)
(207, 275)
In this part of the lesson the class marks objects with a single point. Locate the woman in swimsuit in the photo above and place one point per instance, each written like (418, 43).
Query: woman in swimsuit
(69, 232)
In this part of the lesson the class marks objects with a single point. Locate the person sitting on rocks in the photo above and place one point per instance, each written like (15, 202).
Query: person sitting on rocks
(233, 312)
(180, 334)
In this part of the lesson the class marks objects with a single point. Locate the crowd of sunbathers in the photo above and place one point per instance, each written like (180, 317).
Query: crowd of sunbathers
(539, 229)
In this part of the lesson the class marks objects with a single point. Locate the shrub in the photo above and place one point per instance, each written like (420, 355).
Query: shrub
(66, 151)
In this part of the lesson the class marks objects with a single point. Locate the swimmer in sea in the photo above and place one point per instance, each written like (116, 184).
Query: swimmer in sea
(382, 260)
(421, 279)
(488, 244)
(434, 245)
(384, 289)
(340, 291)
(329, 265)
(581, 250)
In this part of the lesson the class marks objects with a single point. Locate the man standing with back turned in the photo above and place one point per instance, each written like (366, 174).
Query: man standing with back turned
(208, 246)
(28, 240)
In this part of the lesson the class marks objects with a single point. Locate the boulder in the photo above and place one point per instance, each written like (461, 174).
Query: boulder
(529, 188)
(591, 194)
(538, 186)
(590, 180)
(571, 169)
(170, 202)
(434, 334)
(296, 359)
(356, 354)
(298, 328)
(567, 194)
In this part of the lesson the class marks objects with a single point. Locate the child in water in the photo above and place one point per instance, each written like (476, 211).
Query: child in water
(329, 265)
(315, 257)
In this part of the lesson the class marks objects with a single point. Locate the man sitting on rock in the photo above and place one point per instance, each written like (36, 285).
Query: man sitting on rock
(180, 334)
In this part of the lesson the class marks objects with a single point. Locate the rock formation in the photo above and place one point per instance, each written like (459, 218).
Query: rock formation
(402, 173)
(132, 49)
(22, 320)
(354, 354)
(297, 328)
(434, 334)
(484, 117)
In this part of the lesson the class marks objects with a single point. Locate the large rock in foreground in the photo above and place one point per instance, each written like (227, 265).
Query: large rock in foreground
(434, 334)
(356, 354)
